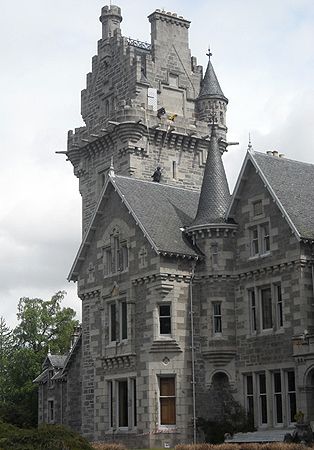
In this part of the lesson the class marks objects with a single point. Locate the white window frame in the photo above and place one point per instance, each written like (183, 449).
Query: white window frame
(217, 318)
(164, 317)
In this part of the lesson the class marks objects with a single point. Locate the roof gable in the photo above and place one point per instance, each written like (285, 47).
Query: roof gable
(290, 184)
(155, 207)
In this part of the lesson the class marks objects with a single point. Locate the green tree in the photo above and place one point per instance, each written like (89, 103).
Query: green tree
(6, 351)
(42, 324)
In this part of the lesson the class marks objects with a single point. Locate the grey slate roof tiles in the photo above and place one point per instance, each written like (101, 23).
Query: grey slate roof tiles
(162, 210)
(215, 196)
(210, 85)
(293, 184)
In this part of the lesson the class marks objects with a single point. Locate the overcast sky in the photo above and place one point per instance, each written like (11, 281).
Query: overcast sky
(263, 57)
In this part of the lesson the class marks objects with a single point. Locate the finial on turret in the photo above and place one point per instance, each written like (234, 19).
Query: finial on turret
(209, 54)
(250, 147)
(49, 352)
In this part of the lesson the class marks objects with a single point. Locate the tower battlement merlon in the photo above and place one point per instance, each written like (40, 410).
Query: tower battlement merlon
(169, 17)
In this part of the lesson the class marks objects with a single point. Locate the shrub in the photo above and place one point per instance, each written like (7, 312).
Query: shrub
(253, 446)
(46, 437)
(108, 446)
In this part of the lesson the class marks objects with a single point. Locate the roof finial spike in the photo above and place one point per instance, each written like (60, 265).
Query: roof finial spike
(250, 147)
(209, 54)
(111, 169)
(49, 352)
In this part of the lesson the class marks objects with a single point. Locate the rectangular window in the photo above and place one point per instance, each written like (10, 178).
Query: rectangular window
(214, 254)
(123, 257)
(51, 411)
(115, 255)
(262, 398)
(110, 395)
(107, 261)
(167, 401)
(217, 318)
(123, 320)
(278, 398)
(260, 239)
(165, 319)
(265, 238)
(257, 208)
(123, 403)
(292, 405)
(252, 301)
(254, 241)
(134, 403)
(174, 169)
(279, 305)
(113, 323)
(266, 309)
(250, 397)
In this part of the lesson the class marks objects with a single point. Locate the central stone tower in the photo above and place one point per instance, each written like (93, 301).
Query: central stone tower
(145, 105)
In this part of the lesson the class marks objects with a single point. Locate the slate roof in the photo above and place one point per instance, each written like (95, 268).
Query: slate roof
(215, 197)
(161, 210)
(56, 361)
(293, 185)
(210, 86)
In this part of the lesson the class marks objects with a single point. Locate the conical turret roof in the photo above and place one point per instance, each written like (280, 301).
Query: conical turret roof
(215, 197)
(210, 86)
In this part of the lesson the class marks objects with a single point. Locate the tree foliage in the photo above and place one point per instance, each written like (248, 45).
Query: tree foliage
(42, 325)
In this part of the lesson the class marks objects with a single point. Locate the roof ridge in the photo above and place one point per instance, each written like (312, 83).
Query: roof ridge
(282, 159)
(155, 184)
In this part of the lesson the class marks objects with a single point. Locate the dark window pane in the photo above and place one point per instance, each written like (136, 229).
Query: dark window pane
(277, 382)
(263, 409)
(123, 403)
(164, 310)
(124, 320)
(262, 384)
(292, 406)
(291, 381)
(267, 319)
(249, 384)
(113, 326)
(278, 404)
(134, 404)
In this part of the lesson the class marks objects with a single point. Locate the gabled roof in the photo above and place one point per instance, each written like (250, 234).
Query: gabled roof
(160, 210)
(57, 361)
(210, 86)
(291, 185)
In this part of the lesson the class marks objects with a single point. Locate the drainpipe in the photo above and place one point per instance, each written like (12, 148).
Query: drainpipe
(193, 351)
(312, 263)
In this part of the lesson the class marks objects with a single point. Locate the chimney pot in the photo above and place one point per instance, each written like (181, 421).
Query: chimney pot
(275, 153)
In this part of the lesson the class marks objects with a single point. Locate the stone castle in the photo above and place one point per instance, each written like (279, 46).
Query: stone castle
(191, 298)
